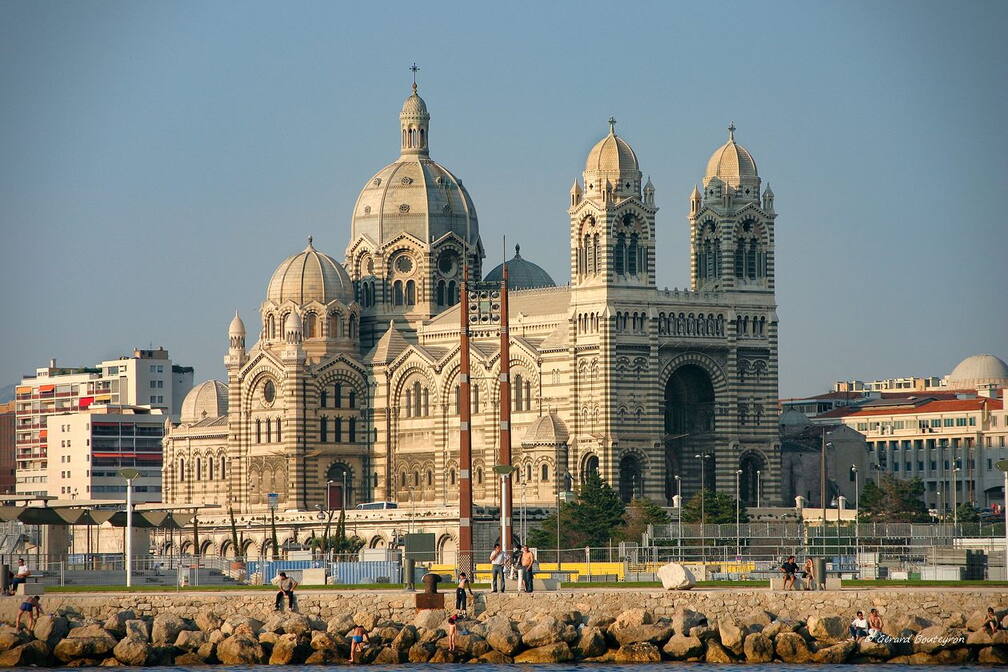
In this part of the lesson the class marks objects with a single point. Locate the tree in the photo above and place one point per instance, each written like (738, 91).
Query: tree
(967, 513)
(717, 508)
(591, 519)
(893, 501)
(238, 551)
(638, 515)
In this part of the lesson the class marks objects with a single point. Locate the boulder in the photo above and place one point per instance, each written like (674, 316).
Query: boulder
(406, 638)
(9, 638)
(35, 653)
(501, 636)
(778, 626)
(366, 619)
(189, 659)
(285, 650)
(590, 643)
(495, 657)
(132, 651)
(827, 628)
(471, 644)
(895, 626)
(717, 653)
(874, 649)
(657, 633)
(322, 641)
(976, 620)
(51, 628)
(835, 654)
(631, 617)
(685, 620)
(993, 655)
(235, 623)
(208, 621)
(704, 632)
(600, 620)
(166, 629)
(389, 656)
(732, 634)
(547, 630)
(190, 640)
(682, 648)
(274, 623)
(979, 638)
(676, 577)
(240, 649)
(758, 648)
(90, 630)
(116, 623)
(936, 638)
(638, 652)
(419, 653)
(790, 647)
(325, 657)
(73, 648)
(557, 652)
(429, 618)
(138, 629)
(208, 651)
(297, 624)
(756, 621)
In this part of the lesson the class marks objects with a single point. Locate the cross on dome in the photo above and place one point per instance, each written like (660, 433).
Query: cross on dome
(612, 125)
(731, 131)
(414, 68)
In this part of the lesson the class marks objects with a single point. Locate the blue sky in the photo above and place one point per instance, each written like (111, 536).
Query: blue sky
(160, 159)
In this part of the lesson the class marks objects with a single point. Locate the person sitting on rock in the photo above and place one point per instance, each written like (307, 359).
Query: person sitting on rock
(809, 571)
(859, 627)
(287, 586)
(20, 576)
(875, 625)
(358, 638)
(992, 623)
(31, 607)
(790, 570)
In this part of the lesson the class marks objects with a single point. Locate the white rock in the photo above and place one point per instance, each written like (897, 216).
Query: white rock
(676, 577)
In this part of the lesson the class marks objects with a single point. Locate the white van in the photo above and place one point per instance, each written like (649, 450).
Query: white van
(374, 506)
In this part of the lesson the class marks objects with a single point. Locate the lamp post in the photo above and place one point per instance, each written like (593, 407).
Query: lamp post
(857, 511)
(1003, 466)
(758, 488)
(129, 475)
(955, 486)
(678, 486)
(738, 508)
(703, 540)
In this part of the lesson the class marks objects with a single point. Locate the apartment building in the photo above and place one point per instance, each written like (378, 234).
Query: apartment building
(145, 378)
(7, 447)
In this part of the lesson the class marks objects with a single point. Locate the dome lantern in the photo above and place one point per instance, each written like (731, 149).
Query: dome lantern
(611, 168)
(236, 332)
(522, 273)
(733, 165)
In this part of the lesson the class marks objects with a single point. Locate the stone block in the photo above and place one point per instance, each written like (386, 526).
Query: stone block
(833, 583)
(676, 577)
(313, 577)
(429, 600)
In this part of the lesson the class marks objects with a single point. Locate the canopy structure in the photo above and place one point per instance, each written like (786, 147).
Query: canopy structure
(95, 512)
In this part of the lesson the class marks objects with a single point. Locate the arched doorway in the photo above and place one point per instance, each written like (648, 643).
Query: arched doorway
(591, 466)
(631, 478)
(753, 468)
(338, 476)
(689, 429)
(447, 550)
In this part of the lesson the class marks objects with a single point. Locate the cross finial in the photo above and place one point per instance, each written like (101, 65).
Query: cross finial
(731, 130)
(612, 125)
(414, 68)
(310, 241)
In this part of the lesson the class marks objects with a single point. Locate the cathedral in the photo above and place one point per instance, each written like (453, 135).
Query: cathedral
(350, 393)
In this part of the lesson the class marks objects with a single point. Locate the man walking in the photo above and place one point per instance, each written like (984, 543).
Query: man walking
(497, 559)
(287, 586)
(527, 560)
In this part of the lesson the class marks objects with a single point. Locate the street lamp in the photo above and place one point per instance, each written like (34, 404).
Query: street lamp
(758, 493)
(703, 540)
(738, 507)
(1003, 466)
(129, 475)
(678, 486)
(857, 511)
(955, 486)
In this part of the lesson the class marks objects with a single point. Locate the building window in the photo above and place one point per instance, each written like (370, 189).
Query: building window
(323, 430)
(353, 430)
(181, 470)
(544, 476)
(338, 431)
(223, 470)
(278, 430)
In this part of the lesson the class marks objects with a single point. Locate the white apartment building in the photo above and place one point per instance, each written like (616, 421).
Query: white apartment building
(87, 449)
(145, 378)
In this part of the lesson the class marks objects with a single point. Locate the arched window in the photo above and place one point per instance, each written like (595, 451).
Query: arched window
(335, 325)
(544, 475)
(452, 293)
(479, 476)
(430, 478)
(352, 399)
(181, 469)
(324, 430)
(589, 256)
(270, 327)
(458, 407)
(210, 469)
(475, 398)
(740, 258)
(632, 255)
(352, 327)
(410, 293)
(258, 431)
(528, 395)
(440, 295)
(417, 403)
(397, 293)
(269, 431)
(595, 254)
(352, 430)
(426, 402)
(223, 467)
(619, 255)
(323, 398)
(517, 385)
(402, 479)
(310, 325)
(338, 395)
(416, 479)
(751, 260)
(279, 439)
(528, 473)
(451, 477)
(591, 466)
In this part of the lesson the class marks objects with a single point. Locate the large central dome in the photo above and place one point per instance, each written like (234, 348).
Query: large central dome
(414, 194)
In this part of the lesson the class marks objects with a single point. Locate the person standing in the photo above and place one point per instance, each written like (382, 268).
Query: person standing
(287, 586)
(31, 607)
(527, 561)
(460, 594)
(498, 558)
(358, 640)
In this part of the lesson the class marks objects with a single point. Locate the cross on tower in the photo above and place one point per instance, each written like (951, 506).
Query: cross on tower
(414, 68)
(731, 130)
(612, 125)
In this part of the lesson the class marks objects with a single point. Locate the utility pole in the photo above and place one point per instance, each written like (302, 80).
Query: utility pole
(822, 486)
(465, 432)
(505, 416)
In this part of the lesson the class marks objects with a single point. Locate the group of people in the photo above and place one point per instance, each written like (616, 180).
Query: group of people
(869, 629)
(792, 572)
(521, 563)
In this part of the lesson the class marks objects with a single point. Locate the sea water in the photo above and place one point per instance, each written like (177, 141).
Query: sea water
(562, 667)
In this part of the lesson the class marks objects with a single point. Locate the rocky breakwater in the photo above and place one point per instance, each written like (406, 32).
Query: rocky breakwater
(636, 635)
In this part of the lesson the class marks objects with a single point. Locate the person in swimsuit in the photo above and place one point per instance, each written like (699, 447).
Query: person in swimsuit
(358, 639)
(31, 607)
(460, 594)
(875, 625)
(452, 629)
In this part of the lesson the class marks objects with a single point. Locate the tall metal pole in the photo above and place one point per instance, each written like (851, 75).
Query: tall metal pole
(129, 532)
(465, 433)
(758, 490)
(703, 541)
(955, 486)
(505, 415)
(822, 487)
(678, 484)
(738, 508)
(857, 514)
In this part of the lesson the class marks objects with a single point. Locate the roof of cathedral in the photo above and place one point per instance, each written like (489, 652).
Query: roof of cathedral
(547, 429)
(557, 338)
(979, 370)
(310, 275)
(414, 194)
(389, 346)
(531, 302)
(731, 162)
(522, 273)
(209, 399)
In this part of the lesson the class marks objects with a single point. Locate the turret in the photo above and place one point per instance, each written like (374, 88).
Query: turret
(694, 201)
(649, 192)
(292, 329)
(575, 194)
(768, 200)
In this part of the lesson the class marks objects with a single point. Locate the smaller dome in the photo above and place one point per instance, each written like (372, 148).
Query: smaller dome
(308, 276)
(209, 399)
(731, 163)
(548, 430)
(612, 154)
(979, 370)
(237, 327)
(414, 107)
(522, 274)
